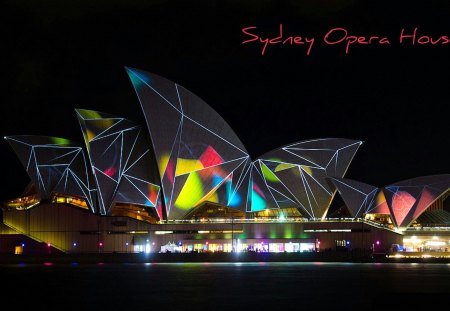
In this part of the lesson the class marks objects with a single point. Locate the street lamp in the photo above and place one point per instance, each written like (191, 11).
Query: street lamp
(98, 234)
(362, 236)
(232, 233)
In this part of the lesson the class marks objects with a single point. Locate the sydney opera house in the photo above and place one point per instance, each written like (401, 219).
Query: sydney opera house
(185, 182)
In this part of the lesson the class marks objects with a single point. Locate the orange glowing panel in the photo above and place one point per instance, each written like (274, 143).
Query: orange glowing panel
(426, 199)
(207, 174)
(152, 194)
(381, 206)
(402, 202)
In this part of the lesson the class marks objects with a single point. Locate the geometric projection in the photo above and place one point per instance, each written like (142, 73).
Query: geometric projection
(193, 156)
(379, 205)
(358, 197)
(199, 156)
(408, 199)
(295, 175)
(53, 165)
(266, 190)
(121, 160)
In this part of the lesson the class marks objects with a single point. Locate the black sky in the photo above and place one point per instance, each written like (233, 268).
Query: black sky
(62, 55)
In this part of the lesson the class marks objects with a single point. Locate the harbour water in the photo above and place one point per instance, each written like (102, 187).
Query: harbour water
(225, 286)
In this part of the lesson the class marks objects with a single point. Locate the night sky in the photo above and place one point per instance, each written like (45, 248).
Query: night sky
(62, 55)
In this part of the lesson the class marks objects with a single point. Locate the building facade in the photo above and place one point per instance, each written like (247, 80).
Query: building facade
(186, 180)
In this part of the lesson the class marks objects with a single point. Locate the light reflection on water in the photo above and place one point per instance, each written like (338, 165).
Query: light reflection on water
(313, 285)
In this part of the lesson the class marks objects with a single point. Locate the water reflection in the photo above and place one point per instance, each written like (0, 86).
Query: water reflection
(231, 286)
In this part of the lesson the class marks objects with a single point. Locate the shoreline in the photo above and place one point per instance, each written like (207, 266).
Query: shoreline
(120, 258)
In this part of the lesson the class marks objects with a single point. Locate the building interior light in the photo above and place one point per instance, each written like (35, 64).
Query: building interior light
(163, 232)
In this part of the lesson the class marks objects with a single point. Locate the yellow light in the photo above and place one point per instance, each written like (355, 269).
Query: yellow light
(163, 161)
(268, 175)
(435, 243)
(307, 170)
(185, 166)
(163, 232)
(191, 192)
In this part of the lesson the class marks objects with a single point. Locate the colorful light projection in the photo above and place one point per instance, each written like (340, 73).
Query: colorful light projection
(199, 156)
(380, 205)
(295, 175)
(408, 199)
(266, 190)
(358, 197)
(404, 201)
(122, 162)
(54, 165)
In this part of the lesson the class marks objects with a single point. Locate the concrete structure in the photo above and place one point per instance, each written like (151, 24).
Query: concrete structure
(189, 180)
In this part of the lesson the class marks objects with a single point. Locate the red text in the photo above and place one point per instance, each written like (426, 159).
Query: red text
(413, 38)
(280, 39)
(340, 36)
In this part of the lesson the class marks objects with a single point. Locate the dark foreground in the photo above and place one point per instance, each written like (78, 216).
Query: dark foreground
(210, 257)
(225, 286)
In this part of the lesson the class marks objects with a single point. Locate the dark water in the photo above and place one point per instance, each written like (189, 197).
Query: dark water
(231, 286)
